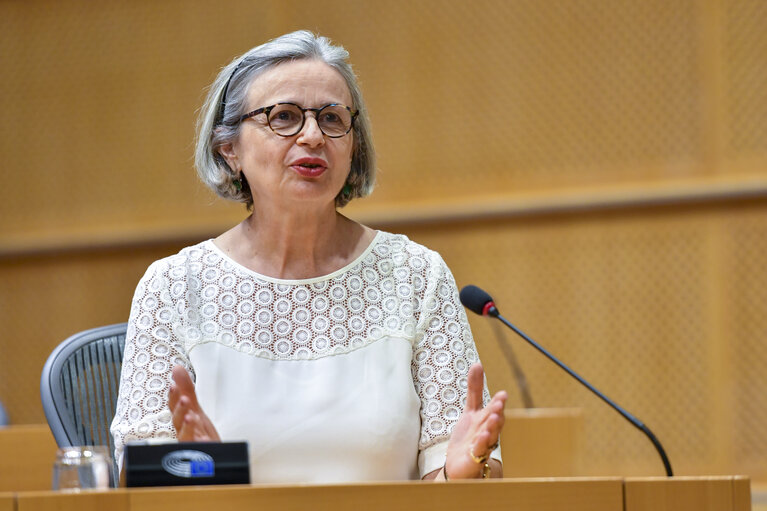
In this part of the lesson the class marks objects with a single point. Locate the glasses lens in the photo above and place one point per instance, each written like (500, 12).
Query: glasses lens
(286, 119)
(335, 120)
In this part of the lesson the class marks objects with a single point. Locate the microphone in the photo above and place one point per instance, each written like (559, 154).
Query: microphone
(479, 302)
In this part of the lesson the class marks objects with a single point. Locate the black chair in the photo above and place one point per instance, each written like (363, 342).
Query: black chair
(79, 387)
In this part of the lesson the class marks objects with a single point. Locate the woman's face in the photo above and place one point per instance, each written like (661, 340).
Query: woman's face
(306, 168)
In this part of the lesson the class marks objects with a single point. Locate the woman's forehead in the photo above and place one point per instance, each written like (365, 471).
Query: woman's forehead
(300, 81)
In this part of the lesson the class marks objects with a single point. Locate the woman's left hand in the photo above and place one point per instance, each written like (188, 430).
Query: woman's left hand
(477, 432)
(189, 420)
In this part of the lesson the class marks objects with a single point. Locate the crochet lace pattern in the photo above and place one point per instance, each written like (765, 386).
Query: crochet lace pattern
(396, 288)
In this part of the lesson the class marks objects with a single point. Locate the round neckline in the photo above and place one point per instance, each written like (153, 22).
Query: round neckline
(212, 246)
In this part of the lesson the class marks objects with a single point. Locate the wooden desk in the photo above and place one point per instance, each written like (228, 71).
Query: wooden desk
(27, 453)
(687, 493)
(726, 493)
(604, 494)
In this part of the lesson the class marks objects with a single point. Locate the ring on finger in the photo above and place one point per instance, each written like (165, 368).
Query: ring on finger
(479, 460)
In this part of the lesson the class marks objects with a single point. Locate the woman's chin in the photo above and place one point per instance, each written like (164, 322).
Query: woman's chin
(311, 193)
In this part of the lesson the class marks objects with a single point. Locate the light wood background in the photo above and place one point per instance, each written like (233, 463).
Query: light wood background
(600, 166)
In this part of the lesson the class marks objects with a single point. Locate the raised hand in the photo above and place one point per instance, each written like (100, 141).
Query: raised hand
(191, 423)
(477, 431)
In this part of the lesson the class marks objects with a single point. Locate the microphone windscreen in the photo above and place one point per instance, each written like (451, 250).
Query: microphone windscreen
(474, 299)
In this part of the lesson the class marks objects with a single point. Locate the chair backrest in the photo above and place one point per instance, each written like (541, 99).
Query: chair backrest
(79, 387)
(3, 416)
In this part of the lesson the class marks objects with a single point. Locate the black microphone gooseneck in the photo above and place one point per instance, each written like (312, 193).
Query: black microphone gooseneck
(479, 302)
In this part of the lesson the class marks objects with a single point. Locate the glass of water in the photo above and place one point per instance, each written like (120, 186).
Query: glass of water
(80, 468)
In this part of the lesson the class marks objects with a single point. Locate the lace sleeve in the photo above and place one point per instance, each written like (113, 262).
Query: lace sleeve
(444, 352)
(151, 351)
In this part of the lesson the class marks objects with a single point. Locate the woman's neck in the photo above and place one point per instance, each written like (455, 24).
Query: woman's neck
(298, 245)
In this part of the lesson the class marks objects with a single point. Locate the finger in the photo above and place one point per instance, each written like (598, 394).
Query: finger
(501, 396)
(481, 444)
(493, 426)
(491, 419)
(179, 412)
(192, 429)
(498, 402)
(177, 415)
(501, 422)
(200, 433)
(184, 432)
(486, 440)
(496, 405)
(189, 426)
(182, 379)
(184, 384)
(173, 396)
(476, 385)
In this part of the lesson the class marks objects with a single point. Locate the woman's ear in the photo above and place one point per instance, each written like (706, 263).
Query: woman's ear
(227, 151)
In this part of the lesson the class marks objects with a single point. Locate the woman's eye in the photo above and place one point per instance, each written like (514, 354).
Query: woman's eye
(284, 116)
(330, 117)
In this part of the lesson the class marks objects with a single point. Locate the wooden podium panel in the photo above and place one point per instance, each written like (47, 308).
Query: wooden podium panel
(688, 494)
(724, 493)
(515, 495)
(541, 442)
(540, 495)
(7, 502)
(101, 500)
(27, 453)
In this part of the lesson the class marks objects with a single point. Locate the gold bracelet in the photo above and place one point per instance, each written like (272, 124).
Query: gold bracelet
(485, 471)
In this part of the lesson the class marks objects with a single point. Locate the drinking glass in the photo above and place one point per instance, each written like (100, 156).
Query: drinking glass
(82, 467)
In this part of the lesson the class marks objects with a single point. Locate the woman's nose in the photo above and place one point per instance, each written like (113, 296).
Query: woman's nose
(311, 134)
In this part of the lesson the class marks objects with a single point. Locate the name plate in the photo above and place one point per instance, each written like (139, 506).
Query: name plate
(186, 463)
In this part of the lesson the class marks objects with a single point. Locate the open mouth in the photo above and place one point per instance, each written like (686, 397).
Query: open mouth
(310, 170)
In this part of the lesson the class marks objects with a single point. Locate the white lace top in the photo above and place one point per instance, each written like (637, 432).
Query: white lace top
(354, 376)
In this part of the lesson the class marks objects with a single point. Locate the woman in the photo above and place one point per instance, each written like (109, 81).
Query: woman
(338, 352)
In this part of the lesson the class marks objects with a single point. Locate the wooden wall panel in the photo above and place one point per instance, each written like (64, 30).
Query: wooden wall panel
(745, 72)
(494, 97)
(98, 110)
(478, 99)
(744, 335)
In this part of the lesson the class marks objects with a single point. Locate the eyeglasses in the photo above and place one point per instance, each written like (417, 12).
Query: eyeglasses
(287, 119)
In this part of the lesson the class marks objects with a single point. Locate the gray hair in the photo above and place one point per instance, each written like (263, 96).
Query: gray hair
(216, 129)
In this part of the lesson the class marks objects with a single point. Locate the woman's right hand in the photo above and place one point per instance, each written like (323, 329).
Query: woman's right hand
(477, 432)
(191, 423)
